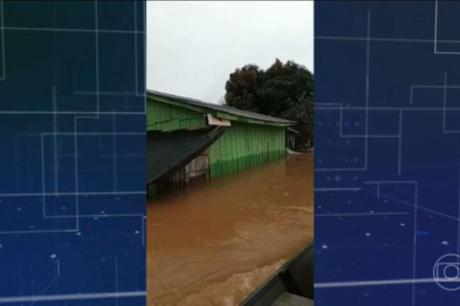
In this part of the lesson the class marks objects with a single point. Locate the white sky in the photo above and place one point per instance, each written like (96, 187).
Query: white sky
(192, 47)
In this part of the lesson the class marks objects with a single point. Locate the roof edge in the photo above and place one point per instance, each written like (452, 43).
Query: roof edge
(232, 113)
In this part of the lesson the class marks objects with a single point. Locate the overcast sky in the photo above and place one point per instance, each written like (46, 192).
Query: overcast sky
(192, 47)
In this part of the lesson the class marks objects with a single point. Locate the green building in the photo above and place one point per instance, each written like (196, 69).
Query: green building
(237, 139)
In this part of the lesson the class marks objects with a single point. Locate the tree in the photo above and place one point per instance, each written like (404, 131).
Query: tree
(241, 88)
(284, 90)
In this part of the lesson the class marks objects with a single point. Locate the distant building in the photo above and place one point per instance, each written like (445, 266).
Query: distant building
(188, 138)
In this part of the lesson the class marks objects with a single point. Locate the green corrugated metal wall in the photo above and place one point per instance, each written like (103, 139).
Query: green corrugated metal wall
(166, 117)
(242, 146)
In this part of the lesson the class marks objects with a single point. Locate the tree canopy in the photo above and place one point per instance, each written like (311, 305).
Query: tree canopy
(284, 90)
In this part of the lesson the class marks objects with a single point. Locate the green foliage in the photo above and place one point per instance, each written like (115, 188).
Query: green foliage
(284, 90)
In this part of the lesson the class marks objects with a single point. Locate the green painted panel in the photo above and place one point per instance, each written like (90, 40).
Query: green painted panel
(167, 117)
(244, 146)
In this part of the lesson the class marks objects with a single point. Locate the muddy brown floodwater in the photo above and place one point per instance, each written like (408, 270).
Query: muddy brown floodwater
(214, 243)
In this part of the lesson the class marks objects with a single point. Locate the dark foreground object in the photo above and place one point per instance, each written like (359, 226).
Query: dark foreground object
(169, 151)
(291, 285)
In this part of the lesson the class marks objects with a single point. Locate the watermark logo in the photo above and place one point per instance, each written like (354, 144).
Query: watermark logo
(446, 272)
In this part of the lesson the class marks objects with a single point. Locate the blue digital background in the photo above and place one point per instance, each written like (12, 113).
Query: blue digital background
(72, 153)
(387, 160)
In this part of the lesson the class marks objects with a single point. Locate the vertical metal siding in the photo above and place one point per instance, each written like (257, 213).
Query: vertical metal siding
(244, 146)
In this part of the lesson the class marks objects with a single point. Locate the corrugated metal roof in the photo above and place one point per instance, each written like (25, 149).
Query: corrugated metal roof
(221, 108)
(169, 151)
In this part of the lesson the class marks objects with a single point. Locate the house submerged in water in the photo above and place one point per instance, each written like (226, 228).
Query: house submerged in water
(189, 139)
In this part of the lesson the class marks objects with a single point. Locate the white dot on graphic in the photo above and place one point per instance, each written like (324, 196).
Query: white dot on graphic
(371, 211)
(445, 243)
(136, 232)
(368, 234)
(324, 246)
(64, 208)
(403, 224)
(78, 234)
(1, 245)
(53, 255)
(19, 209)
(95, 218)
(102, 212)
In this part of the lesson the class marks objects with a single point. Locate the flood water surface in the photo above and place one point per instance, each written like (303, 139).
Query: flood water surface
(214, 243)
